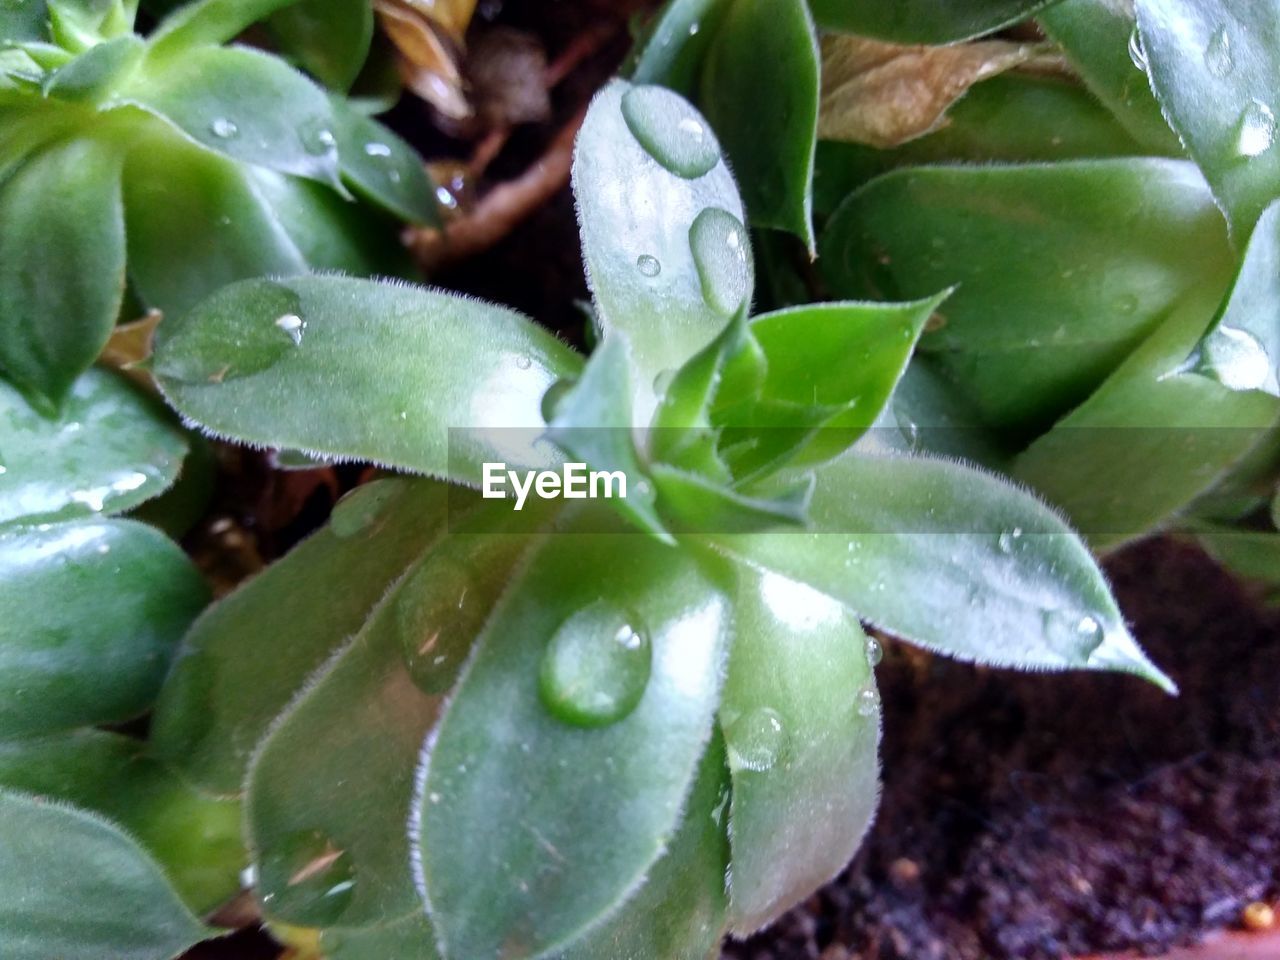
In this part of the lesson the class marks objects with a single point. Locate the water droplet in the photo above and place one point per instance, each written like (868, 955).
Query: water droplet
(1127, 304)
(1256, 129)
(756, 739)
(446, 199)
(875, 652)
(1072, 634)
(317, 138)
(554, 396)
(1137, 50)
(718, 241)
(648, 265)
(224, 128)
(670, 130)
(307, 878)
(439, 612)
(596, 666)
(375, 149)
(908, 429)
(868, 702)
(523, 362)
(1237, 358)
(293, 327)
(360, 509)
(1217, 54)
(1008, 538)
(662, 382)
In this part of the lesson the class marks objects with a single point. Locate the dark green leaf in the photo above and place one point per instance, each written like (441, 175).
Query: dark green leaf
(195, 839)
(314, 363)
(61, 264)
(246, 658)
(1215, 68)
(673, 46)
(329, 38)
(91, 76)
(760, 91)
(1008, 583)
(89, 615)
(73, 886)
(381, 167)
(801, 718)
(24, 21)
(1251, 555)
(208, 22)
(581, 812)
(922, 21)
(409, 937)
(112, 449)
(1069, 265)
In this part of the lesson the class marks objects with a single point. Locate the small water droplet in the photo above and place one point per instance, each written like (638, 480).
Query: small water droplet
(317, 138)
(1137, 50)
(224, 128)
(446, 199)
(908, 429)
(648, 265)
(523, 362)
(307, 878)
(1218, 59)
(1072, 634)
(868, 702)
(360, 509)
(1237, 358)
(1127, 304)
(375, 149)
(554, 396)
(756, 740)
(694, 28)
(1008, 539)
(596, 666)
(670, 130)
(717, 240)
(1256, 129)
(439, 612)
(875, 652)
(293, 327)
(662, 382)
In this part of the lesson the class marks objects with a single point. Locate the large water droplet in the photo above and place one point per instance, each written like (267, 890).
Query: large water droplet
(438, 615)
(1137, 50)
(875, 652)
(1071, 633)
(307, 878)
(1238, 359)
(868, 702)
(756, 739)
(1256, 130)
(224, 128)
(1218, 58)
(596, 666)
(360, 509)
(648, 265)
(672, 132)
(662, 381)
(293, 327)
(1008, 539)
(719, 244)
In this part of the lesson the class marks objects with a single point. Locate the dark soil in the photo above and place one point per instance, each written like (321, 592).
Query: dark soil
(1028, 817)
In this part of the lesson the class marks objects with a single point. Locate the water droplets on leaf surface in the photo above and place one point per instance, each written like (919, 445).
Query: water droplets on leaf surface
(756, 739)
(1072, 634)
(359, 510)
(306, 878)
(293, 326)
(670, 130)
(1008, 539)
(1137, 50)
(438, 615)
(523, 362)
(1218, 59)
(375, 149)
(596, 666)
(648, 266)
(224, 128)
(317, 139)
(718, 241)
(1256, 130)
(868, 702)
(875, 652)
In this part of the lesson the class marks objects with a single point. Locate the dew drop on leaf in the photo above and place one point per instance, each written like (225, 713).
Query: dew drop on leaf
(375, 149)
(670, 130)
(1218, 59)
(648, 265)
(554, 396)
(718, 241)
(1071, 633)
(1008, 538)
(596, 666)
(1256, 130)
(358, 512)
(756, 740)
(293, 327)
(868, 702)
(317, 139)
(1137, 50)
(307, 878)
(875, 652)
(438, 615)
(224, 128)
(523, 362)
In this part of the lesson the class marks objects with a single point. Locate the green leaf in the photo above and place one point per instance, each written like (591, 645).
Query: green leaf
(449, 383)
(1242, 349)
(75, 887)
(329, 38)
(61, 264)
(195, 839)
(545, 740)
(208, 23)
(1008, 583)
(92, 75)
(922, 21)
(1096, 36)
(79, 24)
(90, 611)
(408, 936)
(1250, 555)
(246, 658)
(801, 718)
(674, 44)
(695, 503)
(244, 104)
(760, 91)
(679, 913)
(1149, 440)
(381, 167)
(24, 21)
(635, 215)
(1215, 68)
(112, 449)
(1103, 250)
(347, 805)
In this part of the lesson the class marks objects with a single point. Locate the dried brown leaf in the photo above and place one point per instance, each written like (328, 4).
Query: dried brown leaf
(427, 59)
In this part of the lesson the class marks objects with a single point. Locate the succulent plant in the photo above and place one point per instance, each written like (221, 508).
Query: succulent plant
(592, 727)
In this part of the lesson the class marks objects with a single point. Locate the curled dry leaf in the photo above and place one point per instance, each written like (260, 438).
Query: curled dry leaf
(130, 344)
(884, 94)
(428, 42)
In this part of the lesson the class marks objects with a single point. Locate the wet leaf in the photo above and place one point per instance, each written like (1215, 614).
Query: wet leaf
(381, 167)
(922, 21)
(674, 44)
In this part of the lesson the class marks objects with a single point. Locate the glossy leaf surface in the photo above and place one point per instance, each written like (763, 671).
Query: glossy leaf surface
(247, 657)
(380, 166)
(922, 21)
(674, 44)
(111, 449)
(1010, 585)
(801, 718)
(590, 807)
(760, 92)
(1116, 245)
(449, 383)
(329, 38)
(75, 887)
(90, 613)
